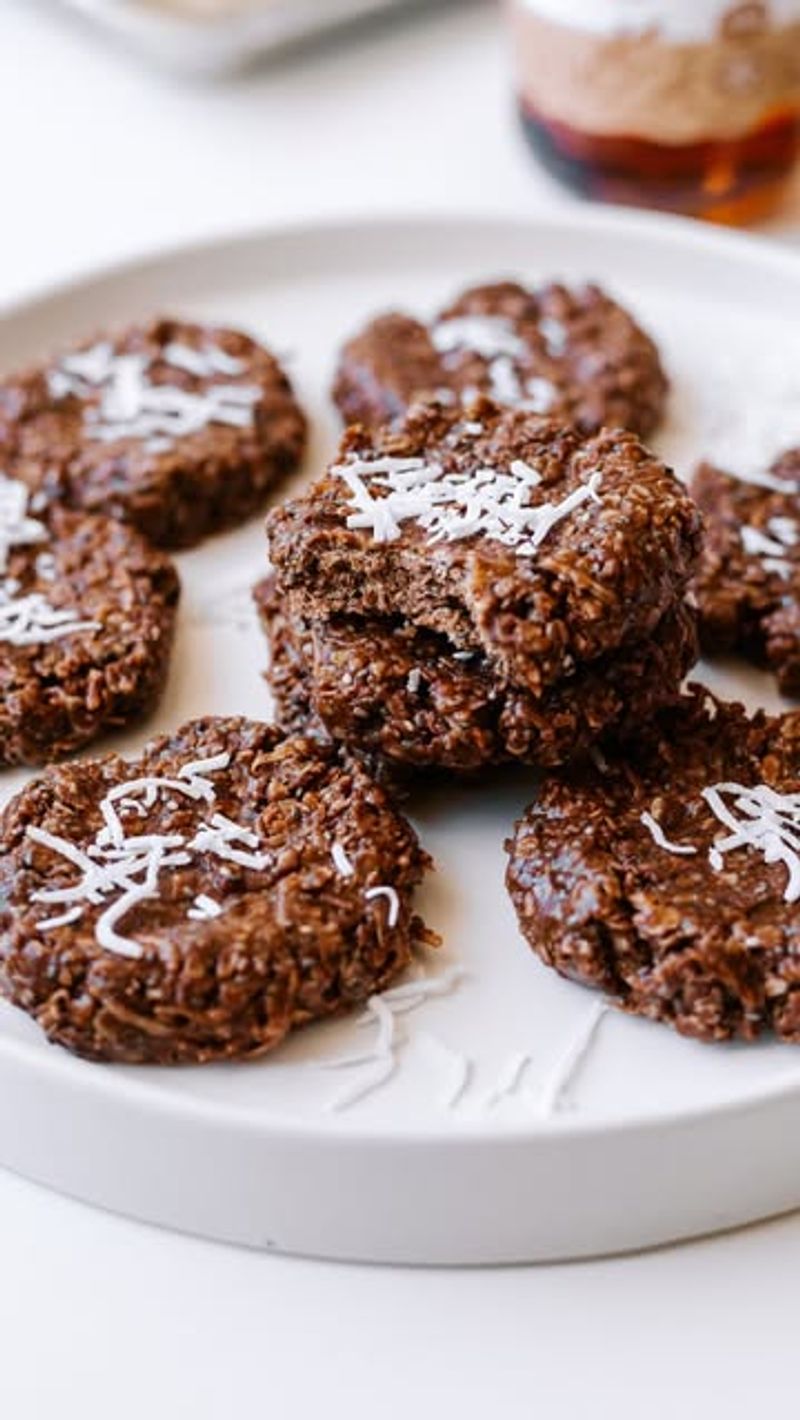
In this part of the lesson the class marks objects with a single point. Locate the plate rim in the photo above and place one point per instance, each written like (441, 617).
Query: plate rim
(660, 228)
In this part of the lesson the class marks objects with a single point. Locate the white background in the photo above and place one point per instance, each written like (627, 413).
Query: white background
(104, 1318)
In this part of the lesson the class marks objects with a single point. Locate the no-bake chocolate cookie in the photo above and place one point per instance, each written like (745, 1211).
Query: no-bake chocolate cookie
(508, 534)
(669, 879)
(177, 428)
(573, 354)
(748, 583)
(200, 901)
(87, 613)
(400, 696)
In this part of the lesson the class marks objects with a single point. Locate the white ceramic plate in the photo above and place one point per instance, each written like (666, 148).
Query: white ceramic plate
(654, 1137)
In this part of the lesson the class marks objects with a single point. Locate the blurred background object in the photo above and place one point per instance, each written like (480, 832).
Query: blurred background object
(687, 105)
(216, 36)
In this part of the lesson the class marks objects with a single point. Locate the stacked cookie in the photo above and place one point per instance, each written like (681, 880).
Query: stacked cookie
(472, 587)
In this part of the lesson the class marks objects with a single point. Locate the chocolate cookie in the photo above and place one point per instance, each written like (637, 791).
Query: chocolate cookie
(180, 429)
(201, 901)
(571, 353)
(87, 613)
(670, 880)
(509, 534)
(399, 696)
(748, 583)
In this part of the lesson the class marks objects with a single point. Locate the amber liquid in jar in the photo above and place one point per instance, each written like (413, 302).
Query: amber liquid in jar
(685, 105)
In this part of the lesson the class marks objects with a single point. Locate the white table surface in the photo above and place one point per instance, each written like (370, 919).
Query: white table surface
(100, 1317)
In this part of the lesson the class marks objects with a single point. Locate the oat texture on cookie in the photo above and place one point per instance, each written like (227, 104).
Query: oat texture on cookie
(571, 352)
(668, 878)
(188, 906)
(181, 429)
(87, 615)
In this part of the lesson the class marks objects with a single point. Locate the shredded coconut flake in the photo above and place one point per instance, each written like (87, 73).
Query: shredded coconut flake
(204, 909)
(89, 367)
(573, 1059)
(411, 994)
(229, 841)
(45, 566)
(17, 528)
(62, 920)
(494, 339)
(760, 818)
(779, 566)
(504, 382)
(542, 394)
(127, 867)
(555, 335)
(384, 1068)
(32, 621)
(757, 544)
(658, 836)
(764, 479)
(509, 1079)
(771, 546)
(341, 862)
(382, 1058)
(786, 530)
(132, 406)
(211, 360)
(196, 770)
(448, 507)
(526, 472)
(487, 336)
(393, 900)
(29, 620)
(458, 1066)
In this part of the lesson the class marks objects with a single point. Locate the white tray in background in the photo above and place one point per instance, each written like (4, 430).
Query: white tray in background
(217, 45)
(658, 1137)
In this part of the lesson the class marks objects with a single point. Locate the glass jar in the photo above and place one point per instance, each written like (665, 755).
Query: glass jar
(689, 105)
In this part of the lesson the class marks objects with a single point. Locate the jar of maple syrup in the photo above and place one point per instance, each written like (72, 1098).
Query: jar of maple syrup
(688, 105)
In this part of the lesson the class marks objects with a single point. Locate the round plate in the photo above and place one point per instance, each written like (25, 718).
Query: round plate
(518, 1123)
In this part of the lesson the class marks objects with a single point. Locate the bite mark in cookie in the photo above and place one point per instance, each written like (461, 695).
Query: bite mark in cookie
(401, 697)
(507, 533)
(192, 904)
